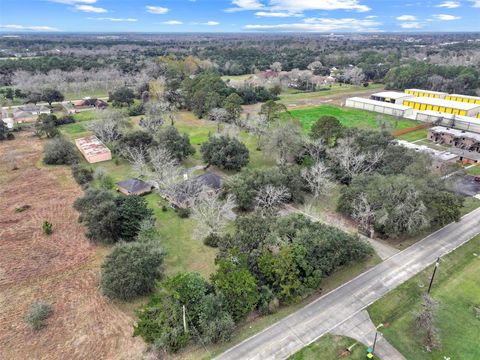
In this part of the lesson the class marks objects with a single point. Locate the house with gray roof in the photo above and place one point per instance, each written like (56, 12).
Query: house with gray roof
(134, 187)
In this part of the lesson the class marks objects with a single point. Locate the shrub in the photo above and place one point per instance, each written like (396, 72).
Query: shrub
(47, 227)
(183, 213)
(64, 120)
(212, 240)
(22, 208)
(131, 270)
(38, 313)
(59, 151)
(225, 152)
(107, 183)
(82, 175)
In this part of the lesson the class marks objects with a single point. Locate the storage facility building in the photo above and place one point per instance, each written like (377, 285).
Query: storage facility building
(93, 149)
(463, 98)
(393, 97)
(443, 106)
(426, 93)
(379, 106)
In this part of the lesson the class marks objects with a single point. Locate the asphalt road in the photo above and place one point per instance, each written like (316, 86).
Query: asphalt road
(303, 327)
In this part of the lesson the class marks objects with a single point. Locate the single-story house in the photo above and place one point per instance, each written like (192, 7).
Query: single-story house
(133, 187)
(181, 194)
(90, 103)
(93, 149)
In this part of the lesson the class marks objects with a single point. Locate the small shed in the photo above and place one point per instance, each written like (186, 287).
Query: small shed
(134, 187)
(93, 149)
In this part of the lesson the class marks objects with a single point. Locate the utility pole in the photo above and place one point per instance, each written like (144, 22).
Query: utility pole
(184, 319)
(433, 275)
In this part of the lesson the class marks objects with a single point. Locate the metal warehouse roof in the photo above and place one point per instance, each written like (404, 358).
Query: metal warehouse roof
(379, 103)
(427, 91)
(445, 103)
(391, 94)
(465, 96)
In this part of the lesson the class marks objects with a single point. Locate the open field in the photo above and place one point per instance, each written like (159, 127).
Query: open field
(414, 135)
(61, 269)
(335, 89)
(457, 289)
(349, 118)
(331, 347)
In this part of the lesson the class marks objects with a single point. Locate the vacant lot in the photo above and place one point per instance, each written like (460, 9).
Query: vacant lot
(457, 290)
(330, 347)
(61, 269)
(349, 118)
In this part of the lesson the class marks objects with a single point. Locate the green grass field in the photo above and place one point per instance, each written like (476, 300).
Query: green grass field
(349, 118)
(336, 89)
(457, 289)
(414, 135)
(331, 347)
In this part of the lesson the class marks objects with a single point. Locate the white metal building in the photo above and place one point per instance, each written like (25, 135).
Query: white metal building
(379, 106)
(449, 120)
(426, 93)
(443, 106)
(393, 97)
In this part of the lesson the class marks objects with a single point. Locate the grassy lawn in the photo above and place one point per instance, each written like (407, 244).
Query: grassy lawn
(349, 117)
(99, 93)
(335, 89)
(237, 77)
(414, 135)
(457, 289)
(331, 347)
(475, 170)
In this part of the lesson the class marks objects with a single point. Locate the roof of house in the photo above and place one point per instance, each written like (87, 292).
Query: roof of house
(445, 103)
(379, 103)
(22, 114)
(134, 185)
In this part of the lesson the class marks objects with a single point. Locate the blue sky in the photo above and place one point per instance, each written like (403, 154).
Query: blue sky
(239, 15)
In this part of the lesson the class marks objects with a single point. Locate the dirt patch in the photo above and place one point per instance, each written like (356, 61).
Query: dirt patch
(61, 269)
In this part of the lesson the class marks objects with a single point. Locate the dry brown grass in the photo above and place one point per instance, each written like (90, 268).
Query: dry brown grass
(61, 269)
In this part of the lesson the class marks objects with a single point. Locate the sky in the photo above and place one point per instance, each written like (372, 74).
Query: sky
(331, 16)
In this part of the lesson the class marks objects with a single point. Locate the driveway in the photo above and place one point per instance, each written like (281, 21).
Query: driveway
(303, 327)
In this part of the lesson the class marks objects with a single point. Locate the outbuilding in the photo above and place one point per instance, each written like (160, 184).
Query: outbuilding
(379, 106)
(393, 97)
(133, 187)
(463, 98)
(93, 149)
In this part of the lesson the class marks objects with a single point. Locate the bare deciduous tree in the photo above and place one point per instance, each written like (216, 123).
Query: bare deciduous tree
(425, 321)
(137, 156)
(270, 197)
(354, 75)
(352, 160)
(316, 149)
(276, 66)
(165, 168)
(258, 128)
(364, 214)
(285, 141)
(110, 125)
(211, 214)
(318, 178)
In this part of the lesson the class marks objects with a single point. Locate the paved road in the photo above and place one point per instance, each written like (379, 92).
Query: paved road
(306, 325)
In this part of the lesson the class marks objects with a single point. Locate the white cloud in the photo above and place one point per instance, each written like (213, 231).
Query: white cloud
(476, 3)
(445, 17)
(449, 4)
(90, 8)
(411, 25)
(73, 2)
(210, 23)
(241, 5)
(30, 28)
(113, 19)
(157, 10)
(321, 25)
(406, 18)
(173, 22)
(276, 14)
(297, 6)
(303, 5)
